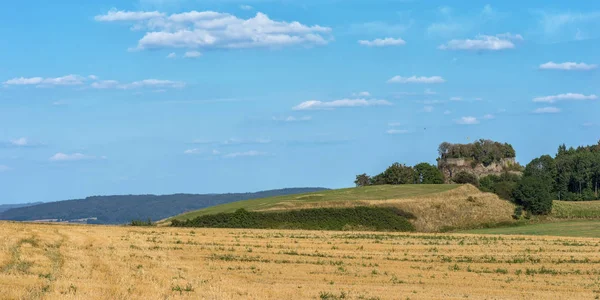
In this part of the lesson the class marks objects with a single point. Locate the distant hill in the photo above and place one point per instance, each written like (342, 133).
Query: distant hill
(5, 207)
(122, 209)
(436, 207)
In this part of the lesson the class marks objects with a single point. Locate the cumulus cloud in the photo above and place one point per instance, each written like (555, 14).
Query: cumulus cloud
(209, 29)
(105, 84)
(547, 110)
(172, 55)
(192, 151)
(568, 66)
(116, 15)
(467, 121)
(73, 157)
(20, 142)
(320, 105)
(416, 79)
(41, 82)
(397, 131)
(292, 119)
(192, 54)
(245, 154)
(383, 42)
(484, 42)
(563, 97)
(93, 77)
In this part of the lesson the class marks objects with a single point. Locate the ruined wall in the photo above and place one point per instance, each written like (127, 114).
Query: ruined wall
(451, 166)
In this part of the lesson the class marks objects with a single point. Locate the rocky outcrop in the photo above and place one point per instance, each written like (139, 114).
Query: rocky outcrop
(451, 166)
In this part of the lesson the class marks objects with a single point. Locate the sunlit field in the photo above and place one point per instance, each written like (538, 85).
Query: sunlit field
(101, 262)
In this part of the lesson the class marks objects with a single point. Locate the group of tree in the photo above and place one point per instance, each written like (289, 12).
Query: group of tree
(397, 173)
(481, 151)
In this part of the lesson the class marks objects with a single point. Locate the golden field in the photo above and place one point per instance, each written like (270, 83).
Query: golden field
(50, 261)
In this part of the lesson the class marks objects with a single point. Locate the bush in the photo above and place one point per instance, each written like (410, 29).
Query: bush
(533, 193)
(375, 218)
(464, 177)
(148, 222)
(518, 213)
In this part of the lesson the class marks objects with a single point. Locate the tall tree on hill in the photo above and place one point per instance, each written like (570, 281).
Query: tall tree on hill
(362, 180)
(428, 174)
(398, 174)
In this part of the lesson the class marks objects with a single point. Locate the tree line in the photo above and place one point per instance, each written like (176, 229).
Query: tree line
(397, 173)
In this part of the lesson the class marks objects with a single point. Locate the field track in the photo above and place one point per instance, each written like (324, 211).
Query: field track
(39, 261)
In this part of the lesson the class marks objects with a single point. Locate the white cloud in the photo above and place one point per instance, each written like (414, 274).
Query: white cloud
(429, 92)
(115, 15)
(105, 84)
(568, 66)
(292, 119)
(172, 55)
(428, 109)
(20, 142)
(415, 79)
(488, 117)
(383, 42)
(567, 96)
(547, 110)
(362, 94)
(73, 157)
(455, 98)
(146, 83)
(569, 25)
(192, 151)
(192, 54)
(93, 77)
(317, 105)
(4, 168)
(59, 103)
(236, 141)
(41, 82)
(245, 154)
(484, 42)
(467, 121)
(397, 131)
(209, 29)
(153, 83)
(246, 7)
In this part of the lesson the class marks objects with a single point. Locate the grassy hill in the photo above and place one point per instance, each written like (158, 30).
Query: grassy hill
(123, 209)
(436, 207)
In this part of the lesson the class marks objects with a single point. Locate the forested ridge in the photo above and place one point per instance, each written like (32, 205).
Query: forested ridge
(123, 209)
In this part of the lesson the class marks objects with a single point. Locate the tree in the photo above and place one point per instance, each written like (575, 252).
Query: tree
(533, 193)
(396, 174)
(428, 174)
(464, 177)
(543, 167)
(362, 180)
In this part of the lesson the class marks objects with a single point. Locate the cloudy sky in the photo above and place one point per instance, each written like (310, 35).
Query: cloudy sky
(207, 96)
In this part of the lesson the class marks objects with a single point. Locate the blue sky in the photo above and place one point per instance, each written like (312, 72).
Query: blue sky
(169, 96)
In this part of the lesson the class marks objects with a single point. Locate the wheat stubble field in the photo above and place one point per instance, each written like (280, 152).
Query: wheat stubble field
(39, 261)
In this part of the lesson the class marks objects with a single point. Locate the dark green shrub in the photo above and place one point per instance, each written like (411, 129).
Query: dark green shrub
(376, 218)
(464, 177)
(518, 213)
(148, 222)
(533, 193)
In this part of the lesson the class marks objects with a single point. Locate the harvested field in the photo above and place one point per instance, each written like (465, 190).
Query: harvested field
(40, 261)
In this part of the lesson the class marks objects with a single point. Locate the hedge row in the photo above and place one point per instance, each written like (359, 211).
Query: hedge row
(362, 217)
